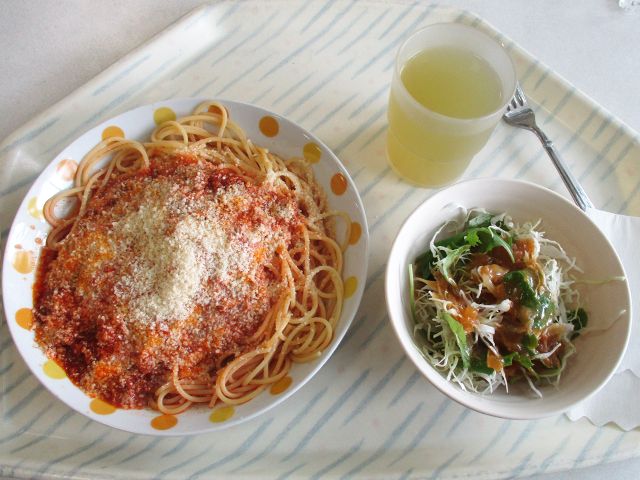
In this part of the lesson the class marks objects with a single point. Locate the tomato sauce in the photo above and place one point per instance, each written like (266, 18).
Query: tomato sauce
(170, 270)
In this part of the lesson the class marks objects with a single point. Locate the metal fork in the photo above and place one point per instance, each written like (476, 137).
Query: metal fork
(520, 114)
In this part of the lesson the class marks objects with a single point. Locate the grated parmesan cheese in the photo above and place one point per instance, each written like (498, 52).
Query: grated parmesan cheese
(179, 244)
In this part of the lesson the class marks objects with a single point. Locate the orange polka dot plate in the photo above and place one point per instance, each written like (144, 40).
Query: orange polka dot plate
(29, 230)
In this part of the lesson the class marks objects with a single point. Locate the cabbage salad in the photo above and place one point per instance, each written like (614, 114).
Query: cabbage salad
(494, 303)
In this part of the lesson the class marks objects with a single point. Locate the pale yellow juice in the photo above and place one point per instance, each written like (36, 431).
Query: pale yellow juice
(453, 83)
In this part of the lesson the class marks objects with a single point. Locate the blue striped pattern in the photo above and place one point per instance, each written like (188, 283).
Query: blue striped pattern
(327, 65)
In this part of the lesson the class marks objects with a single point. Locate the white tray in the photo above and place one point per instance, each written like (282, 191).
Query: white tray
(367, 413)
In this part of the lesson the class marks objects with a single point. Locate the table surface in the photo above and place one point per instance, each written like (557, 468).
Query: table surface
(51, 48)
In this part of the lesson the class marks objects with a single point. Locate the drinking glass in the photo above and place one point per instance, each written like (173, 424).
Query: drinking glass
(431, 149)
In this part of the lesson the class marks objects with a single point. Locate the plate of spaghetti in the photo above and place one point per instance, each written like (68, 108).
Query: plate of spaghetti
(169, 276)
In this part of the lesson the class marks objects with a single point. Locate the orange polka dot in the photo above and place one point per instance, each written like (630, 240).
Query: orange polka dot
(101, 407)
(269, 126)
(111, 132)
(338, 184)
(34, 210)
(163, 114)
(67, 169)
(164, 422)
(356, 233)
(350, 286)
(312, 152)
(216, 109)
(24, 318)
(52, 370)
(222, 414)
(280, 386)
(23, 261)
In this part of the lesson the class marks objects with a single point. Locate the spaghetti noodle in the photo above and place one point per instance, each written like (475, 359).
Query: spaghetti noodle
(194, 268)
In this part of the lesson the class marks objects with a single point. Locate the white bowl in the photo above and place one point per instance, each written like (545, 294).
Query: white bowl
(598, 352)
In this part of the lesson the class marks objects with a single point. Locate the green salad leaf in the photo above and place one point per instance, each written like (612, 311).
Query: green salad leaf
(484, 239)
(525, 362)
(508, 359)
(490, 240)
(449, 263)
(473, 239)
(519, 286)
(478, 362)
(522, 359)
(530, 343)
(578, 318)
(461, 337)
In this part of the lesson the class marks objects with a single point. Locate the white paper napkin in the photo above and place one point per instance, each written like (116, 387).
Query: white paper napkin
(618, 400)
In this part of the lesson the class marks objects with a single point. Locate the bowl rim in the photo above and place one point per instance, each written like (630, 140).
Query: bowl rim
(435, 378)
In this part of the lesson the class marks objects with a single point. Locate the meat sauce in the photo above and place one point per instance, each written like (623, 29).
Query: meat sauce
(171, 270)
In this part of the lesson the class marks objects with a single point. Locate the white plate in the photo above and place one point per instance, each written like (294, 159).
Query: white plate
(29, 228)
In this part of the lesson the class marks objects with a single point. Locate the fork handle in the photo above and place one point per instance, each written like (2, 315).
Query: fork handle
(576, 191)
